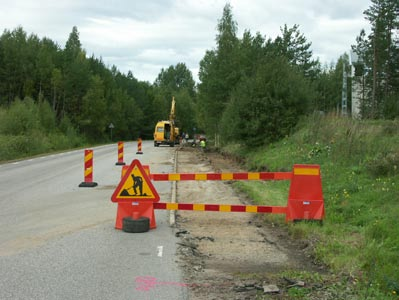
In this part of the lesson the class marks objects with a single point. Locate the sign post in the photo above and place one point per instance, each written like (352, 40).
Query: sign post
(111, 126)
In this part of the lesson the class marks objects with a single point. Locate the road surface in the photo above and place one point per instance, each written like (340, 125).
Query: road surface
(58, 241)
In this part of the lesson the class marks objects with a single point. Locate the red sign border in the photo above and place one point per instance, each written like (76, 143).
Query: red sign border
(146, 178)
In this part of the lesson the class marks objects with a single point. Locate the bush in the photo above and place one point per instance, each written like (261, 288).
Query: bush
(46, 117)
(266, 106)
(27, 128)
(384, 164)
(21, 118)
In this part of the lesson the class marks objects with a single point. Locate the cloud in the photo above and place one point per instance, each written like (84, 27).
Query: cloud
(145, 36)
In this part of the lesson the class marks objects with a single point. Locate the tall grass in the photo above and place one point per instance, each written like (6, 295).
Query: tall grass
(359, 162)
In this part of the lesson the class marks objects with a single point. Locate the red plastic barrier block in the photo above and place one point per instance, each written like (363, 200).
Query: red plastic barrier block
(305, 199)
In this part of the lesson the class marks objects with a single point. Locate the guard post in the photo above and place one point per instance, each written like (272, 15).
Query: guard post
(88, 169)
(120, 161)
(139, 142)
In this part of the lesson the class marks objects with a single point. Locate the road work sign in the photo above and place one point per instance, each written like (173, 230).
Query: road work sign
(135, 186)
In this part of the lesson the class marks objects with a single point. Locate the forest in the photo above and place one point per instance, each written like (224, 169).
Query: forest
(253, 89)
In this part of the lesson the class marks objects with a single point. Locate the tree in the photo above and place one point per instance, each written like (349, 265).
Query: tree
(17, 65)
(379, 53)
(45, 64)
(91, 120)
(176, 81)
(76, 76)
(328, 86)
(176, 78)
(266, 107)
(185, 111)
(294, 46)
(56, 86)
(251, 49)
(219, 73)
(83, 92)
(73, 47)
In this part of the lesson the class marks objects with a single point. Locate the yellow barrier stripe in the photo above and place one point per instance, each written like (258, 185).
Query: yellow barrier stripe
(253, 176)
(174, 177)
(227, 176)
(199, 207)
(201, 177)
(172, 206)
(306, 171)
(225, 208)
(251, 209)
(89, 156)
(88, 171)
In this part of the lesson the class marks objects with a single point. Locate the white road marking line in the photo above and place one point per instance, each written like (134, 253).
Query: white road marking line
(160, 251)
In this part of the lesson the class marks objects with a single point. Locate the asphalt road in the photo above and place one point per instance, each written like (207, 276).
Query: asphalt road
(58, 241)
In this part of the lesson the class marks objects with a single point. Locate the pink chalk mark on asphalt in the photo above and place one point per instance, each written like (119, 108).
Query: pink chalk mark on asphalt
(147, 283)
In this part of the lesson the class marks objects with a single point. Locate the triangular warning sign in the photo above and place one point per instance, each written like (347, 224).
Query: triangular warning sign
(135, 185)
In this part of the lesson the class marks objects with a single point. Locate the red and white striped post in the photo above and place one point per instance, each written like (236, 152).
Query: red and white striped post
(120, 155)
(139, 147)
(88, 170)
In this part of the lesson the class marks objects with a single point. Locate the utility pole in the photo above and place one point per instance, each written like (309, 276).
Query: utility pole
(344, 111)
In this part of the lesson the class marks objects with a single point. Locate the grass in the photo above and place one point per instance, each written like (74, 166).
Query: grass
(359, 162)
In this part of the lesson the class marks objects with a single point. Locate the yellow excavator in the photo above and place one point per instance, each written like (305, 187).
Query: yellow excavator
(166, 133)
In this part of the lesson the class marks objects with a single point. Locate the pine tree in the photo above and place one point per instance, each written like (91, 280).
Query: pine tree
(294, 46)
(383, 16)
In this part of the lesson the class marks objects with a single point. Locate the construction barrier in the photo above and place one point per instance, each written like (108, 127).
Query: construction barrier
(120, 161)
(222, 207)
(139, 142)
(88, 170)
(222, 176)
(305, 197)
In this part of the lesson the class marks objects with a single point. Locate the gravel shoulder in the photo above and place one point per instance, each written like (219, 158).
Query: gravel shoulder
(230, 255)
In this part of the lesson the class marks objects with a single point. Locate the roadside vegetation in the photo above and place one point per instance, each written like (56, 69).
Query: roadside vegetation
(359, 162)
(28, 128)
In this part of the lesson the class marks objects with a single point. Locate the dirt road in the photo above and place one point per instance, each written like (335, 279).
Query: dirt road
(231, 255)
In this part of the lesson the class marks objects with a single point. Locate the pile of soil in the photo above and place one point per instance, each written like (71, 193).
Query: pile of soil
(232, 255)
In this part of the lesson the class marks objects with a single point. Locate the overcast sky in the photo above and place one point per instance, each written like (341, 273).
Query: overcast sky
(145, 36)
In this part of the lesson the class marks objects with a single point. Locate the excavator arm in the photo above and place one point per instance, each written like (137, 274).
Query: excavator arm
(172, 115)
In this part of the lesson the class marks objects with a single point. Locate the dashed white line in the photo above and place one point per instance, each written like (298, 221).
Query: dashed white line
(160, 251)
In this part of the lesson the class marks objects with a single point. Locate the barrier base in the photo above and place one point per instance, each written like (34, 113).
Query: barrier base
(139, 152)
(88, 184)
(120, 163)
(305, 199)
(135, 210)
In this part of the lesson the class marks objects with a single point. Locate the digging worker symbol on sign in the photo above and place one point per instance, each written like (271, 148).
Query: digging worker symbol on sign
(137, 183)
